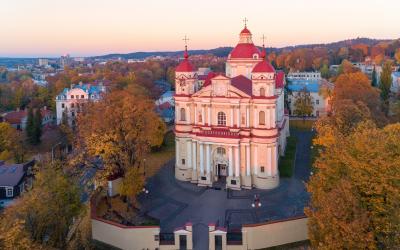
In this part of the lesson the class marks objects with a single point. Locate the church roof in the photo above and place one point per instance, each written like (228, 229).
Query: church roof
(280, 77)
(245, 31)
(244, 50)
(209, 77)
(242, 83)
(185, 65)
(263, 67)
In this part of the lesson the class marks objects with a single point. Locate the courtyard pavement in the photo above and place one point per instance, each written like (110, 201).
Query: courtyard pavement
(175, 203)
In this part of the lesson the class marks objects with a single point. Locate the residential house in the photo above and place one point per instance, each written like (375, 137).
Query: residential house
(14, 179)
(19, 118)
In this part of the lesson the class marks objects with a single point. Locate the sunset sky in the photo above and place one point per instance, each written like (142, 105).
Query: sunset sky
(92, 27)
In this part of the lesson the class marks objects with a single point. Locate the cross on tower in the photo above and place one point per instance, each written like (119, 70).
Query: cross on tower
(185, 39)
(245, 20)
(263, 40)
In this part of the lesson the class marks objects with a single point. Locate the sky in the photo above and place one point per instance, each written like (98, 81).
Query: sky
(50, 28)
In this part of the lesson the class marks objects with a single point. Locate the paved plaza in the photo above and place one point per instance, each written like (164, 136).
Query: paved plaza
(175, 203)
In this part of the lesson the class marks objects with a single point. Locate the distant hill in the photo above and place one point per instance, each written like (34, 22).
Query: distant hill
(224, 51)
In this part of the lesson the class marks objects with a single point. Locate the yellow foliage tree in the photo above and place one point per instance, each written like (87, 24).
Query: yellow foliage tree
(121, 129)
(355, 192)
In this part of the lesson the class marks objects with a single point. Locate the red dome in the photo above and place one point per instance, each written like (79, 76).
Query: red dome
(185, 66)
(245, 31)
(263, 67)
(244, 50)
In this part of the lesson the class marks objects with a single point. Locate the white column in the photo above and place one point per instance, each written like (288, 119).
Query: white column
(247, 117)
(208, 158)
(255, 159)
(201, 158)
(273, 111)
(231, 116)
(189, 154)
(271, 118)
(268, 118)
(194, 162)
(269, 161)
(209, 115)
(177, 152)
(203, 115)
(195, 114)
(237, 161)
(188, 115)
(248, 160)
(230, 161)
(255, 119)
(238, 116)
(274, 161)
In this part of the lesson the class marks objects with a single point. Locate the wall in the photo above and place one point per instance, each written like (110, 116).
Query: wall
(275, 233)
(134, 238)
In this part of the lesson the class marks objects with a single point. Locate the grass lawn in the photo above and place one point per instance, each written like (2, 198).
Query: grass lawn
(156, 159)
(286, 162)
(302, 125)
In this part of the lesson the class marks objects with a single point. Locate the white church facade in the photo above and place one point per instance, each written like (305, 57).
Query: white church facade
(232, 128)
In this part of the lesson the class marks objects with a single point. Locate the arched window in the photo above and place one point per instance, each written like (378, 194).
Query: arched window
(221, 151)
(262, 92)
(261, 118)
(221, 119)
(183, 114)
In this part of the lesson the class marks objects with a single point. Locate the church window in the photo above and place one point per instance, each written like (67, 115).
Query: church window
(82, 96)
(221, 151)
(62, 105)
(72, 105)
(262, 169)
(221, 119)
(261, 118)
(183, 114)
(183, 161)
(200, 118)
(72, 96)
(262, 92)
(317, 101)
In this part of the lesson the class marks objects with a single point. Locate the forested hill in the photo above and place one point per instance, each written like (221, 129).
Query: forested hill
(224, 51)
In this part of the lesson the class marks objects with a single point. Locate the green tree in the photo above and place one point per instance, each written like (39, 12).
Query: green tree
(325, 73)
(374, 81)
(30, 126)
(385, 84)
(37, 126)
(303, 103)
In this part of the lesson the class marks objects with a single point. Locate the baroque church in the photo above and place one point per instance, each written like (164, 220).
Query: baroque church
(231, 128)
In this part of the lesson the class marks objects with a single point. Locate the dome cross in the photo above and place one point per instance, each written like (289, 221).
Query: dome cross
(245, 20)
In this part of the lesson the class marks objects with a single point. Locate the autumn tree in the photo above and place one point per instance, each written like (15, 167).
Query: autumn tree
(384, 85)
(303, 103)
(11, 143)
(357, 87)
(374, 79)
(121, 129)
(325, 73)
(43, 215)
(355, 191)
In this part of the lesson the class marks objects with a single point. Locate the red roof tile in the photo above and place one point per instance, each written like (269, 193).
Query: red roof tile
(245, 50)
(243, 83)
(15, 117)
(185, 66)
(245, 31)
(263, 67)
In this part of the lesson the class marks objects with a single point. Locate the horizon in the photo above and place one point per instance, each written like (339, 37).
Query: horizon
(93, 28)
(180, 50)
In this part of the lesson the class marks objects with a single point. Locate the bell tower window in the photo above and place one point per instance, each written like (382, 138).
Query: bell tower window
(261, 118)
(183, 114)
(221, 119)
(262, 92)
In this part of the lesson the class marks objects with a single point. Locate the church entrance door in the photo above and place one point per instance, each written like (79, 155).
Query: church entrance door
(222, 170)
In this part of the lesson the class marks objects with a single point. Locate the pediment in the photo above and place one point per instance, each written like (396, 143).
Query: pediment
(231, 91)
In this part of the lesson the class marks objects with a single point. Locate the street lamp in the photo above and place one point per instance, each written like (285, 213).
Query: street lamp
(256, 203)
